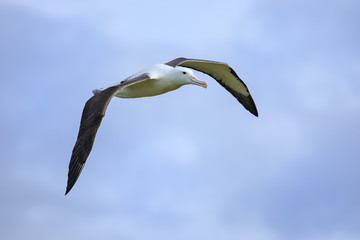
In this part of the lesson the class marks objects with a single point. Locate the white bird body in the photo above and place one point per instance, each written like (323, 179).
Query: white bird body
(163, 78)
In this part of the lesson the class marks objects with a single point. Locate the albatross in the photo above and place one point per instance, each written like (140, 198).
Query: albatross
(155, 80)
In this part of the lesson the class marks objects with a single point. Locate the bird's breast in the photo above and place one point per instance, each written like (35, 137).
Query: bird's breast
(147, 88)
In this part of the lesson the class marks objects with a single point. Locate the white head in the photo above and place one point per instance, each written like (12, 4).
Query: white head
(186, 76)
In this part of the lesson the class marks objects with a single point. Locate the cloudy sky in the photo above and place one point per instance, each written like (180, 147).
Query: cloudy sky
(193, 163)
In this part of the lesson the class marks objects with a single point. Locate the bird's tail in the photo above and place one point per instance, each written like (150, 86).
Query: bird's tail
(96, 91)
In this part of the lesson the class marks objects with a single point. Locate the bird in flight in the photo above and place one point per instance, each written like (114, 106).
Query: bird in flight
(155, 80)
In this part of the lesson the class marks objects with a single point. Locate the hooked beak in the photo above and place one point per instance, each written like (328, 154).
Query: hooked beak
(198, 82)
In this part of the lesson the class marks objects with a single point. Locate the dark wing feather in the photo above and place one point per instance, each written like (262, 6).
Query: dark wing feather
(91, 118)
(224, 75)
(176, 62)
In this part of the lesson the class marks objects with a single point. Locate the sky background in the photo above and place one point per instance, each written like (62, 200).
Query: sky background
(193, 163)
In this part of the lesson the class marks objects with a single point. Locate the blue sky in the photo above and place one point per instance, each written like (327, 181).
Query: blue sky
(193, 163)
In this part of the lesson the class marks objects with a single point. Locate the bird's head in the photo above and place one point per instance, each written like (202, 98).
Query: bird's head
(186, 76)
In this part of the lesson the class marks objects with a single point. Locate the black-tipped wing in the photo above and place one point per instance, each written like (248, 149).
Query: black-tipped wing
(92, 115)
(224, 75)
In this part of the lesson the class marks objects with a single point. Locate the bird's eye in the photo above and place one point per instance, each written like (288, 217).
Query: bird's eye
(184, 72)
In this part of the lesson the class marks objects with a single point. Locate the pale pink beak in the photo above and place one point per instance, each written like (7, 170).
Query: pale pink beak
(198, 82)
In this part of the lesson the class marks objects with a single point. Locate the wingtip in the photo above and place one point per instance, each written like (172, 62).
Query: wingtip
(255, 113)
(249, 104)
(68, 188)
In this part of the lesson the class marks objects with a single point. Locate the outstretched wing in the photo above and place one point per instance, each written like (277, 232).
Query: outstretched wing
(224, 75)
(93, 113)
